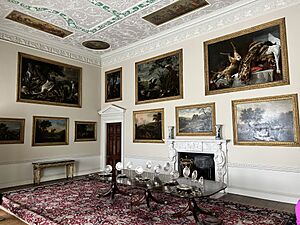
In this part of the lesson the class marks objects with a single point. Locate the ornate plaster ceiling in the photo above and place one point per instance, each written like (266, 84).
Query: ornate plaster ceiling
(120, 23)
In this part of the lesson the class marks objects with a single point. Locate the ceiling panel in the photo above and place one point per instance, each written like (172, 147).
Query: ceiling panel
(118, 22)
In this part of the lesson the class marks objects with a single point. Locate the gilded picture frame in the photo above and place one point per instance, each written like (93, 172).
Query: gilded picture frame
(248, 59)
(12, 130)
(148, 126)
(196, 120)
(159, 78)
(113, 85)
(85, 131)
(45, 81)
(266, 121)
(48, 131)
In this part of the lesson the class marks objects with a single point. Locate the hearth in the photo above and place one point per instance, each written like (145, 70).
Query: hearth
(203, 163)
(209, 155)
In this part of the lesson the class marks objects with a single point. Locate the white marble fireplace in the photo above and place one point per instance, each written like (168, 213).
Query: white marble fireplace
(216, 147)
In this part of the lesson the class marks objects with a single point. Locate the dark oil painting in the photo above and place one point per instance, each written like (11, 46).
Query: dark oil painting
(50, 131)
(251, 58)
(266, 121)
(11, 131)
(159, 78)
(48, 82)
(113, 85)
(38, 24)
(85, 131)
(174, 10)
(148, 126)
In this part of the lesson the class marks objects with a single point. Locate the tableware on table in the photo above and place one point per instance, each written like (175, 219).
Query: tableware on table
(129, 165)
(167, 166)
(186, 172)
(194, 175)
(108, 169)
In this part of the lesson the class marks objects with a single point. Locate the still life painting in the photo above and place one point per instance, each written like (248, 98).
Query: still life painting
(113, 85)
(195, 120)
(251, 58)
(148, 126)
(266, 121)
(11, 131)
(48, 82)
(50, 131)
(159, 78)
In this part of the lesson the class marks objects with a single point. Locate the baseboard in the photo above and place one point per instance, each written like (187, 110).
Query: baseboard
(267, 182)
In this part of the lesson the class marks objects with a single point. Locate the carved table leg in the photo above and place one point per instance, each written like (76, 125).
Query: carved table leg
(149, 196)
(195, 209)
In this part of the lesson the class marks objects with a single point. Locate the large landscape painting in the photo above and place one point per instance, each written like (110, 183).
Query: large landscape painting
(48, 82)
(159, 78)
(266, 121)
(50, 131)
(195, 120)
(148, 125)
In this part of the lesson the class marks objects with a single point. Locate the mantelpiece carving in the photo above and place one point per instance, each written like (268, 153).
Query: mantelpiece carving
(216, 147)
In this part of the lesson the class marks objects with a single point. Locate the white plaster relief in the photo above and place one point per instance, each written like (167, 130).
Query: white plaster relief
(48, 48)
(216, 147)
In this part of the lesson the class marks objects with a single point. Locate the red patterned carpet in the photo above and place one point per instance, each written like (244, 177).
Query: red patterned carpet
(76, 202)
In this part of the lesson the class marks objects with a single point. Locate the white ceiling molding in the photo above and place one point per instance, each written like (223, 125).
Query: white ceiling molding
(234, 14)
(49, 47)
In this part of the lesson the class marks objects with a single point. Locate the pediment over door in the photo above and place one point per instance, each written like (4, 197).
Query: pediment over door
(112, 110)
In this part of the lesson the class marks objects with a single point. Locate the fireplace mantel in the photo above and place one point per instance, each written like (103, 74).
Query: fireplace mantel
(216, 147)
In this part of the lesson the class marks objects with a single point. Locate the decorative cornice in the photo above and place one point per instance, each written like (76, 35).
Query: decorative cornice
(264, 167)
(234, 14)
(70, 53)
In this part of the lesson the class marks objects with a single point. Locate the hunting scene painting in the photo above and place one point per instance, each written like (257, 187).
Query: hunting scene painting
(50, 131)
(85, 131)
(196, 120)
(48, 82)
(11, 131)
(113, 85)
(159, 78)
(148, 126)
(266, 121)
(251, 58)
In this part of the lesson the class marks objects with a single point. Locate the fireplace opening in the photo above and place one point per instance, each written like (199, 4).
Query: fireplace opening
(202, 162)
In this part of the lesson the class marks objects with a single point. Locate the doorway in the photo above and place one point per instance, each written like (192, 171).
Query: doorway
(113, 143)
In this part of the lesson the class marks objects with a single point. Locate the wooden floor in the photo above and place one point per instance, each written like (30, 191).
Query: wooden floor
(290, 208)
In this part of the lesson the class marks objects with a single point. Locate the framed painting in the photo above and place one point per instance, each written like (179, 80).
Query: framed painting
(248, 59)
(85, 131)
(50, 131)
(159, 78)
(12, 131)
(196, 120)
(266, 121)
(113, 85)
(48, 82)
(148, 126)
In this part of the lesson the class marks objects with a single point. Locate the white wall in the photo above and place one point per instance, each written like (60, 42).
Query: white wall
(16, 159)
(259, 171)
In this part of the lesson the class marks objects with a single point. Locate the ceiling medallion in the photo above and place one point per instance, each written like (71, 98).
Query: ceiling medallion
(174, 10)
(38, 24)
(96, 45)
